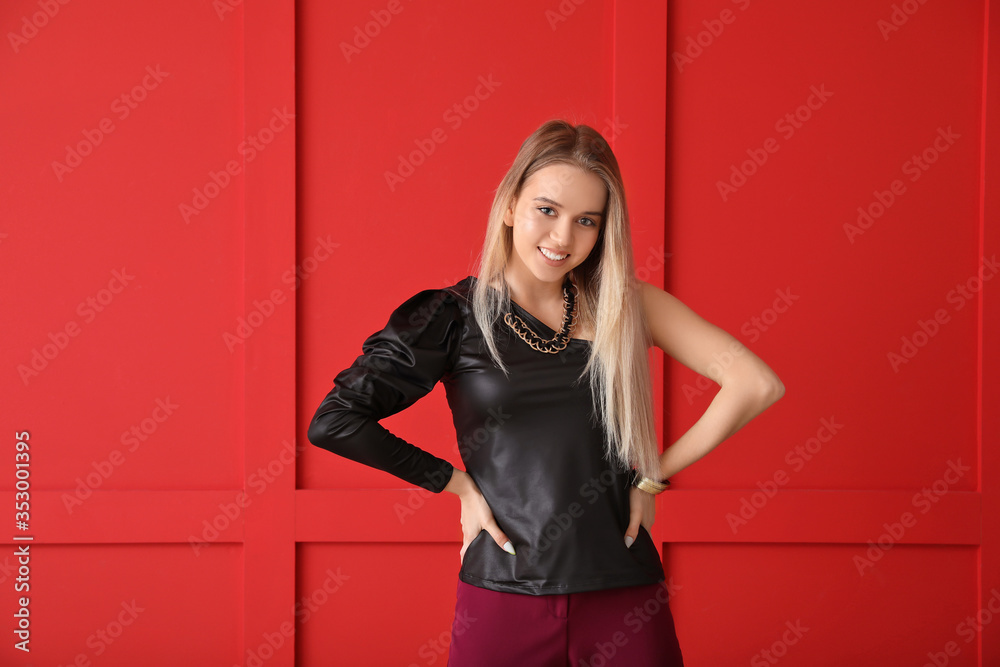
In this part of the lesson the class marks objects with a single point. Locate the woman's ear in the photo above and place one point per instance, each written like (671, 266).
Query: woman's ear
(508, 214)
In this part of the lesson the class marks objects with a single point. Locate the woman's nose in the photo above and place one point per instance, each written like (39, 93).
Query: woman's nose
(562, 233)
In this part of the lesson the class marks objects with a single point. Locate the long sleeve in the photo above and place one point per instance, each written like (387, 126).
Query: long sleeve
(399, 365)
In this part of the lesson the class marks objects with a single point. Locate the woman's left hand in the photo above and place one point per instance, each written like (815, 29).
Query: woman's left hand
(642, 511)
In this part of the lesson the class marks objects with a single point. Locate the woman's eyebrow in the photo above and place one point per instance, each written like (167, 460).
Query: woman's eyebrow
(546, 200)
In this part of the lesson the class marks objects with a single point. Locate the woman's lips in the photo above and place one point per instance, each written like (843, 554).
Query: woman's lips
(552, 262)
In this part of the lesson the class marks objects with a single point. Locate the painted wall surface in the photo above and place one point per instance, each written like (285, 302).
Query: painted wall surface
(208, 206)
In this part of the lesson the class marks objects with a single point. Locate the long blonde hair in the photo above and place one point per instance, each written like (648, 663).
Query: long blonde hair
(609, 300)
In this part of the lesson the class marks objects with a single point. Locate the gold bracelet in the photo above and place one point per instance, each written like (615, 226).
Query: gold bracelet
(652, 486)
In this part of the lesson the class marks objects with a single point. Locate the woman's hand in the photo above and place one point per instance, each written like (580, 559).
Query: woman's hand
(476, 513)
(642, 511)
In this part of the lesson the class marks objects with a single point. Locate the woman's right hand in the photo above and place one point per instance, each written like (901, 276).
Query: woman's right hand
(476, 513)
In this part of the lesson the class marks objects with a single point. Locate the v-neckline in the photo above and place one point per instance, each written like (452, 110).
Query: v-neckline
(546, 329)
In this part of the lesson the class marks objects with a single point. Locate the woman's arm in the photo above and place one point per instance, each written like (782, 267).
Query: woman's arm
(749, 386)
(399, 364)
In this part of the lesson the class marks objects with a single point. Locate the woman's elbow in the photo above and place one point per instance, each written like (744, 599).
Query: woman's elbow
(758, 381)
(779, 391)
(755, 378)
(772, 388)
(328, 431)
(317, 434)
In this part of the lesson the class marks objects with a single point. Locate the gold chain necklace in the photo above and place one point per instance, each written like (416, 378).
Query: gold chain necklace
(558, 342)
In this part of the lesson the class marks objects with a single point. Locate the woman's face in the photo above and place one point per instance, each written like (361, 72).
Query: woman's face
(556, 220)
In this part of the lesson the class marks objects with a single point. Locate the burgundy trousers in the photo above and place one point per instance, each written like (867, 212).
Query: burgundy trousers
(630, 626)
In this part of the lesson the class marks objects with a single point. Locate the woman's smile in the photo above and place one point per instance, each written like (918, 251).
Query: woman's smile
(551, 257)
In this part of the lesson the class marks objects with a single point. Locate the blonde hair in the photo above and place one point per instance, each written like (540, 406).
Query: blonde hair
(609, 299)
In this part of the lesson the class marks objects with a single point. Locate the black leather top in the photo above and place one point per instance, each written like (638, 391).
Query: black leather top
(530, 442)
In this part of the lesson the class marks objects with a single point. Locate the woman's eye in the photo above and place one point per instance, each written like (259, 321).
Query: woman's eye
(547, 210)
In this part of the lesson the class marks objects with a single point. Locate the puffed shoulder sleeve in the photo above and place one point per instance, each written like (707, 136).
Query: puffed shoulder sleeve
(400, 364)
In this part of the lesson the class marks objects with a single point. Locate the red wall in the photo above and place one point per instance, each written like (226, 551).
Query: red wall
(199, 232)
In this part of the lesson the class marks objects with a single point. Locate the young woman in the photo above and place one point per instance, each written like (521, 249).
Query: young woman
(544, 358)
